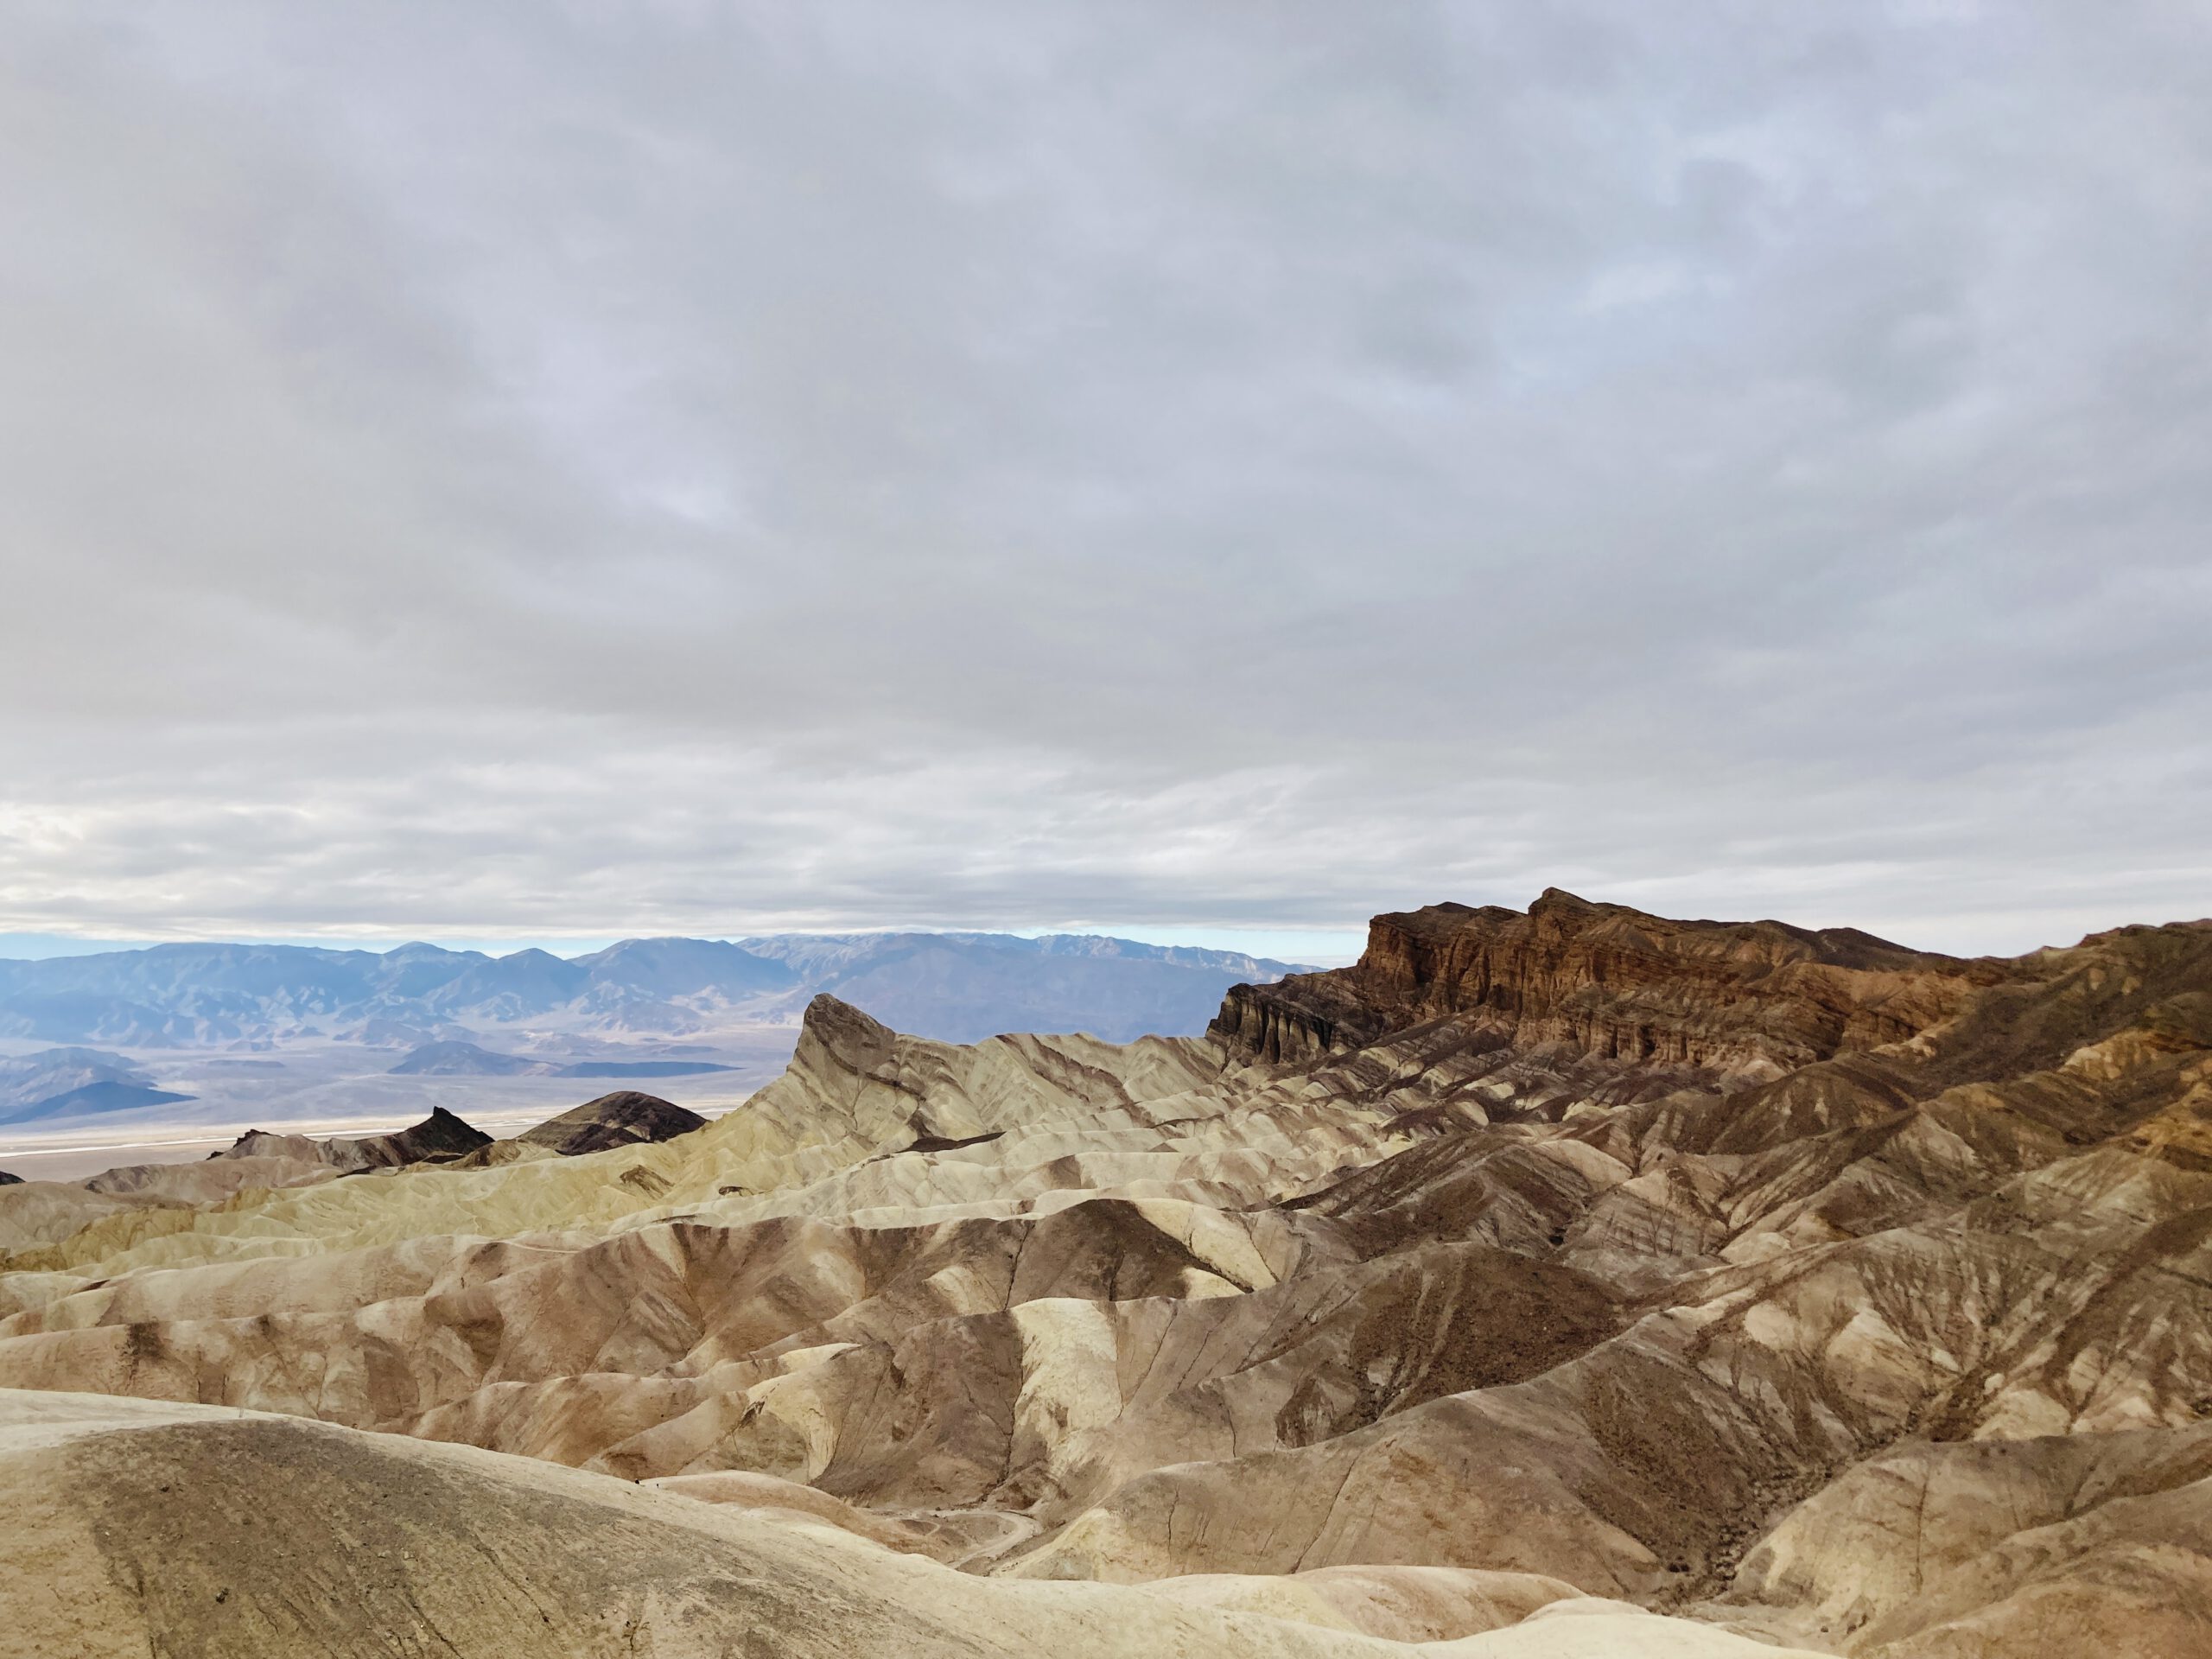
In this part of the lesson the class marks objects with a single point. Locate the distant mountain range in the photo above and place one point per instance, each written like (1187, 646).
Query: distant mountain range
(962, 988)
(955, 987)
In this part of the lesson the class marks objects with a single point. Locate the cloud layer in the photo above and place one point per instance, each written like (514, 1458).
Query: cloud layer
(590, 470)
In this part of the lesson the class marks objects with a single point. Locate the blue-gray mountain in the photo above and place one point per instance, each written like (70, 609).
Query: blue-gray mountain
(58, 1083)
(955, 987)
(963, 988)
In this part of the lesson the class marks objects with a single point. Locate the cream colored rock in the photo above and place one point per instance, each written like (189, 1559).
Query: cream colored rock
(1594, 1628)
(1523, 1335)
(184, 1530)
(1403, 1604)
(188, 1531)
(34, 1213)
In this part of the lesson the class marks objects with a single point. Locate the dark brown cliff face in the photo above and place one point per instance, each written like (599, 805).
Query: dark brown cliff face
(1735, 998)
(1299, 1018)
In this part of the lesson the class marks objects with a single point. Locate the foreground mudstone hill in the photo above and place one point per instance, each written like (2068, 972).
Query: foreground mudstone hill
(1558, 1283)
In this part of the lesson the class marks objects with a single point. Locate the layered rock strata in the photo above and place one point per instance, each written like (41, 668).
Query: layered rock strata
(1736, 999)
(1569, 1282)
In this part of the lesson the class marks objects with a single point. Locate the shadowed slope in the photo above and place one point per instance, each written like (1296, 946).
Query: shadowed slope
(1494, 1291)
(185, 1532)
(622, 1119)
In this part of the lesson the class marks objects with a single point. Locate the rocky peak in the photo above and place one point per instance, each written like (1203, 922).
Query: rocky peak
(1737, 998)
(438, 1136)
(841, 1033)
(625, 1117)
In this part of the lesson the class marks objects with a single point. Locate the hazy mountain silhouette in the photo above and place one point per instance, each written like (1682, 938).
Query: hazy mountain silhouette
(73, 1083)
(956, 986)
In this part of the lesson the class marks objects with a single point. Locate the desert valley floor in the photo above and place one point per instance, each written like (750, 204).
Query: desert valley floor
(1567, 1282)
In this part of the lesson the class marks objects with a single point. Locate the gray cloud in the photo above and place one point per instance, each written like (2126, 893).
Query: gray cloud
(586, 469)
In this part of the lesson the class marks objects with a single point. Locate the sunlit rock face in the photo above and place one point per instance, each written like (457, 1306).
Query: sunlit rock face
(1559, 1281)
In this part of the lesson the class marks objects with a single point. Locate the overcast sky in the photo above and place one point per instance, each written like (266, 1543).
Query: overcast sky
(545, 470)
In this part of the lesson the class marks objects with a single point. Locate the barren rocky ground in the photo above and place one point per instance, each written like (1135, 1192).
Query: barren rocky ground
(1573, 1282)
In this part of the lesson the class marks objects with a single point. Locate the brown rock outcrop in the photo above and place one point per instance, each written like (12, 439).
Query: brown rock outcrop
(442, 1134)
(1737, 999)
(624, 1118)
